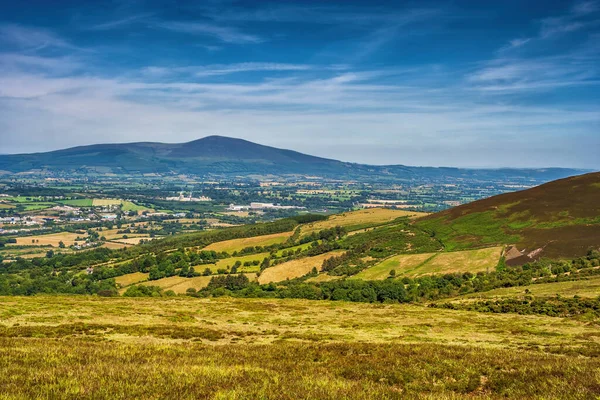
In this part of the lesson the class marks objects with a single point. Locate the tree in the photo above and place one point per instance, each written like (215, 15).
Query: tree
(61, 244)
(266, 263)
(50, 254)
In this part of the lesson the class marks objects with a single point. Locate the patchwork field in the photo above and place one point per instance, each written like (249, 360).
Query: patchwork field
(230, 246)
(413, 265)
(360, 219)
(295, 268)
(185, 348)
(52, 239)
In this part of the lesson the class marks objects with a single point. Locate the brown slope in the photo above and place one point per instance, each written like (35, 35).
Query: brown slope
(561, 217)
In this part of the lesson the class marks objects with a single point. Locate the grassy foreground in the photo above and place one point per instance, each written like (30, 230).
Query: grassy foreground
(88, 347)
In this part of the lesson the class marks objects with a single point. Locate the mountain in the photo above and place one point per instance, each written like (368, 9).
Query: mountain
(223, 156)
(558, 219)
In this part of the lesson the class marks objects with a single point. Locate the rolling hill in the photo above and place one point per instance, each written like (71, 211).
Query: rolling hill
(557, 219)
(223, 156)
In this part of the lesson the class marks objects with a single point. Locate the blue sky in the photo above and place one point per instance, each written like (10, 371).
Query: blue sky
(452, 83)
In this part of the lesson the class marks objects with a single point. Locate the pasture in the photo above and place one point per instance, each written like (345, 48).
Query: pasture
(414, 265)
(185, 348)
(294, 268)
(130, 279)
(180, 284)
(354, 220)
(53, 239)
(115, 245)
(228, 262)
(400, 264)
(232, 245)
(584, 288)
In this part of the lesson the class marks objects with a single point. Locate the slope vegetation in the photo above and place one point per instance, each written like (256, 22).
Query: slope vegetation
(557, 219)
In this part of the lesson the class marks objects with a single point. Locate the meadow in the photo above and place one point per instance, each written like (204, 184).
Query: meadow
(359, 219)
(232, 245)
(414, 265)
(294, 268)
(53, 239)
(67, 348)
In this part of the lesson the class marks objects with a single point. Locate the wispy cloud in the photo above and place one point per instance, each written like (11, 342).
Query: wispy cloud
(223, 33)
(29, 38)
(120, 22)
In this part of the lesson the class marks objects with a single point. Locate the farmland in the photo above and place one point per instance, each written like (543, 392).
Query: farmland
(50, 240)
(414, 265)
(244, 348)
(230, 246)
(294, 269)
(360, 219)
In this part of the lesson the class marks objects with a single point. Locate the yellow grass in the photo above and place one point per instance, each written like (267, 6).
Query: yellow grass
(463, 261)
(52, 239)
(231, 260)
(295, 268)
(413, 265)
(129, 279)
(584, 288)
(401, 264)
(323, 278)
(273, 319)
(357, 219)
(105, 202)
(238, 244)
(114, 245)
(131, 240)
(180, 284)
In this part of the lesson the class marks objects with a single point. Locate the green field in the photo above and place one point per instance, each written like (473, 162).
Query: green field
(78, 202)
(181, 348)
(130, 206)
(414, 265)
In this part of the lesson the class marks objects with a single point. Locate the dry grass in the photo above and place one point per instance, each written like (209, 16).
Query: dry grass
(584, 288)
(178, 348)
(52, 239)
(238, 244)
(114, 245)
(401, 264)
(462, 261)
(413, 265)
(131, 240)
(359, 219)
(323, 278)
(130, 279)
(106, 202)
(222, 264)
(179, 284)
(294, 269)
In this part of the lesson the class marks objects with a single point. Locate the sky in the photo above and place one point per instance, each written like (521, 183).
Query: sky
(437, 83)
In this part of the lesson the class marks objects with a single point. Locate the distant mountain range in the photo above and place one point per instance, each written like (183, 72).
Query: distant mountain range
(560, 219)
(223, 156)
